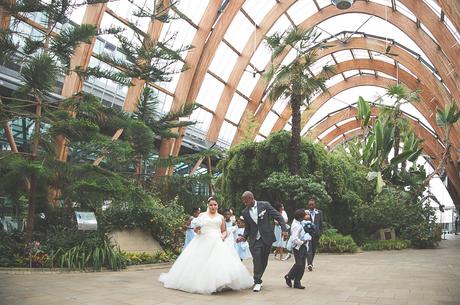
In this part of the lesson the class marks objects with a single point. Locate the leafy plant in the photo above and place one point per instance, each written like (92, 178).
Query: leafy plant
(378, 245)
(333, 242)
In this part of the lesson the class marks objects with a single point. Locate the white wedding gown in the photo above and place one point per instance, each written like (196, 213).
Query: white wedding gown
(208, 264)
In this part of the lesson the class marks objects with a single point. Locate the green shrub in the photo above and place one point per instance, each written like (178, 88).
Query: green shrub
(146, 258)
(163, 221)
(373, 245)
(88, 255)
(333, 242)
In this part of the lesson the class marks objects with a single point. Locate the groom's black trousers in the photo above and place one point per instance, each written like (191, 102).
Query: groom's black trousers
(260, 252)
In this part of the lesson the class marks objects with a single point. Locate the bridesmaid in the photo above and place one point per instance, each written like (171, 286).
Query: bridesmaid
(189, 233)
(280, 243)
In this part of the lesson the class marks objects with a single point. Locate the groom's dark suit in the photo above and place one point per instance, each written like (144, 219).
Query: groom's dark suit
(260, 234)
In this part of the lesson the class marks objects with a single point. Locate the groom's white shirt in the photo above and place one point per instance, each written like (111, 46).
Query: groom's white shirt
(254, 216)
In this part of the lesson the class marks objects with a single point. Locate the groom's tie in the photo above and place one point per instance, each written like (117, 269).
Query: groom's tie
(253, 214)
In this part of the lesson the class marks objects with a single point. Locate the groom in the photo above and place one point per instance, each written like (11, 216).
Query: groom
(260, 232)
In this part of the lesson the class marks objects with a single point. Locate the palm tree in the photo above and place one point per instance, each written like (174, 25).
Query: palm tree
(295, 80)
(445, 119)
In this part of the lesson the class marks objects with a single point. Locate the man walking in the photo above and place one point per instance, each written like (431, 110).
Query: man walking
(317, 219)
(260, 233)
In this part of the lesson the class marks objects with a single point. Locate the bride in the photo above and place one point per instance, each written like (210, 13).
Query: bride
(208, 264)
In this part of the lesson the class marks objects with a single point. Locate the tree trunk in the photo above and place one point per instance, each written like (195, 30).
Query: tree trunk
(397, 140)
(33, 177)
(31, 210)
(9, 136)
(294, 151)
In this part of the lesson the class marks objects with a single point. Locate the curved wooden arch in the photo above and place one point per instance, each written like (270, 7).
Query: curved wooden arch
(427, 78)
(205, 44)
(426, 107)
(373, 9)
(429, 102)
(430, 145)
(452, 9)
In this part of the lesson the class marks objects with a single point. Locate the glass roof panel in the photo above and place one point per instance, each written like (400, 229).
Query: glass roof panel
(280, 104)
(268, 123)
(343, 55)
(323, 3)
(257, 9)
(110, 22)
(381, 74)
(227, 132)
(382, 57)
(350, 73)
(424, 28)
(223, 61)
(405, 11)
(203, 119)
(287, 127)
(318, 65)
(434, 6)
(360, 53)
(178, 33)
(210, 92)
(240, 31)
(259, 138)
(301, 10)
(193, 9)
(236, 108)
(248, 81)
(128, 8)
(261, 57)
(77, 14)
(281, 25)
(365, 71)
(334, 80)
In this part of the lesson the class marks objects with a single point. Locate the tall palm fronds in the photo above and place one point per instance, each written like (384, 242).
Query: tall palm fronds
(295, 80)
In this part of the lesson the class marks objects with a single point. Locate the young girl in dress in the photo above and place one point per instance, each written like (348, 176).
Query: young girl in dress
(231, 228)
(280, 243)
(241, 247)
(189, 233)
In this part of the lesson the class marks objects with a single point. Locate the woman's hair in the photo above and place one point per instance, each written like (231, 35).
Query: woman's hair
(279, 206)
(299, 214)
(195, 210)
(226, 211)
(212, 198)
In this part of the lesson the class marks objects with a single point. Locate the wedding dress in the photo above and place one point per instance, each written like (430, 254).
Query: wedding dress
(208, 264)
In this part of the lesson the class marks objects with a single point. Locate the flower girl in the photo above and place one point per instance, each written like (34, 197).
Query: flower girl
(189, 233)
(241, 247)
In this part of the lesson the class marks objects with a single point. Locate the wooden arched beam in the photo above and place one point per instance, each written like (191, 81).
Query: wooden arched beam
(72, 82)
(429, 102)
(425, 76)
(430, 144)
(153, 35)
(188, 87)
(242, 62)
(346, 114)
(368, 8)
(452, 10)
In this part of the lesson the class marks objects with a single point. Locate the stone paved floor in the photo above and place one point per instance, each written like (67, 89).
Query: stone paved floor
(419, 277)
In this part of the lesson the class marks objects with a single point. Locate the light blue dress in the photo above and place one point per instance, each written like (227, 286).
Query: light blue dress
(242, 248)
(189, 234)
(280, 242)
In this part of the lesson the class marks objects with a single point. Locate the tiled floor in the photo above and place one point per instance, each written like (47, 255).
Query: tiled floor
(418, 277)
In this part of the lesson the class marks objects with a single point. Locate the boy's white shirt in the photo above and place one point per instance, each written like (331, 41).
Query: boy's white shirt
(298, 235)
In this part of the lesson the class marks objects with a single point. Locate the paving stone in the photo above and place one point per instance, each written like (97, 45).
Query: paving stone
(407, 277)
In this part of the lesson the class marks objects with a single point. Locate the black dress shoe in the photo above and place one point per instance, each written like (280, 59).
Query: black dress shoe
(288, 281)
(310, 268)
(298, 286)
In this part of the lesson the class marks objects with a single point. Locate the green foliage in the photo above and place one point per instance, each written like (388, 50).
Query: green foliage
(293, 191)
(39, 75)
(147, 258)
(378, 245)
(163, 221)
(88, 255)
(181, 189)
(333, 242)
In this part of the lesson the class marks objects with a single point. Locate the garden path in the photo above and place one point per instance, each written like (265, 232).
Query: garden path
(421, 277)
